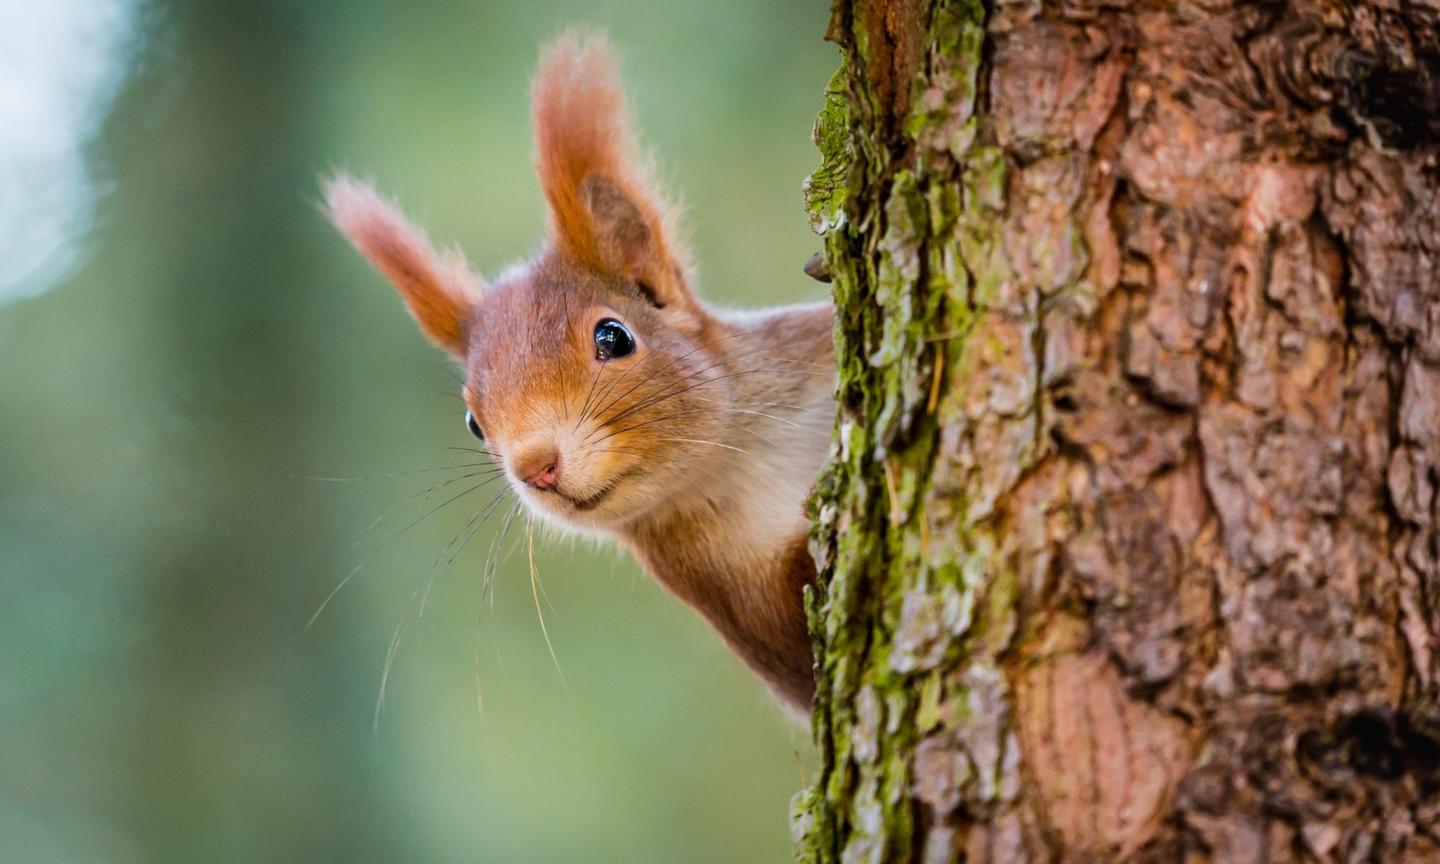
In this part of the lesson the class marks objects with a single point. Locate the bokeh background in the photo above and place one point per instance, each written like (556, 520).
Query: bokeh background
(185, 345)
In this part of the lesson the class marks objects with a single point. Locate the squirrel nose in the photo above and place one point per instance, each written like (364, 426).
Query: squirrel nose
(539, 467)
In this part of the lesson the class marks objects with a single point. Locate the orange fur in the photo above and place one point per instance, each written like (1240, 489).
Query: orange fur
(439, 288)
(581, 133)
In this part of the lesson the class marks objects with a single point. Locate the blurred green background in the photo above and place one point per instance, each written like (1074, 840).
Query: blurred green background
(214, 345)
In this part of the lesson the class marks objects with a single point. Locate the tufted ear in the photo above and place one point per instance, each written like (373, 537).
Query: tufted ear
(440, 289)
(605, 211)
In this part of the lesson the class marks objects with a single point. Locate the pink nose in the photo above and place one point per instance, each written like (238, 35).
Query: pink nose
(539, 467)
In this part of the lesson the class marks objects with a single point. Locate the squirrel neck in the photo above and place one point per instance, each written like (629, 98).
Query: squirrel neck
(735, 546)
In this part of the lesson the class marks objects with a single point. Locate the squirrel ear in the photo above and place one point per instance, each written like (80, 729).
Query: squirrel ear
(439, 288)
(604, 210)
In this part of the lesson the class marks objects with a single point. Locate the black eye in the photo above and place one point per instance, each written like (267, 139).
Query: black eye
(612, 340)
(474, 425)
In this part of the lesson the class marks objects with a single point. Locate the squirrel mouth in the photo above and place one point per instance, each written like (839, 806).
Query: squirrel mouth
(587, 503)
(590, 502)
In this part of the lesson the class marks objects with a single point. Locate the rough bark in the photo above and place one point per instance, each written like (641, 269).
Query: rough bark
(1130, 537)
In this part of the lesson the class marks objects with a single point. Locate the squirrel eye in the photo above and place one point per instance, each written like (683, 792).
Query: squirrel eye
(474, 425)
(612, 339)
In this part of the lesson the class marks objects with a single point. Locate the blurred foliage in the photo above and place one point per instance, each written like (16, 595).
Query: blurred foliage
(162, 413)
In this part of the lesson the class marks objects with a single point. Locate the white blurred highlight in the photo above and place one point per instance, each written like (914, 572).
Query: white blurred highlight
(61, 65)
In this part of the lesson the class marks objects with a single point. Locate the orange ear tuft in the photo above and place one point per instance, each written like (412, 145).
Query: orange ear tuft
(604, 211)
(440, 289)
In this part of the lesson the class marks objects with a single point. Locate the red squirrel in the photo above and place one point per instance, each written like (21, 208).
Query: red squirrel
(617, 401)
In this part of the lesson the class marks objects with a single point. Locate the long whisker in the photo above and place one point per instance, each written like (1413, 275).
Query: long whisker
(711, 443)
(788, 405)
(672, 362)
(488, 572)
(601, 405)
(488, 588)
(324, 604)
(596, 380)
(600, 401)
(725, 410)
(390, 654)
(826, 370)
(491, 561)
(486, 482)
(482, 452)
(418, 611)
(388, 475)
(641, 425)
(646, 403)
(438, 569)
(693, 411)
(487, 473)
(535, 593)
(665, 391)
(629, 450)
(358, 567)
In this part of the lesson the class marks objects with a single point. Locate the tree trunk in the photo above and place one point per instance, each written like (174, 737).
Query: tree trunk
(1130, 539)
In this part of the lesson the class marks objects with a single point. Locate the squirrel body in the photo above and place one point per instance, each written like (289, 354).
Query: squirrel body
(615, 399)
(735, 546)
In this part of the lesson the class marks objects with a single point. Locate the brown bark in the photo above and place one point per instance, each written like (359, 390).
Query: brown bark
(1130, 542)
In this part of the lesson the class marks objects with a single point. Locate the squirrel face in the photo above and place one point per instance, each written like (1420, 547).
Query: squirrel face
(591, 396)
(593, 372)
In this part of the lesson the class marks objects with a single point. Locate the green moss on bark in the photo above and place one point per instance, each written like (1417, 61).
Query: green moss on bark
(901, 219)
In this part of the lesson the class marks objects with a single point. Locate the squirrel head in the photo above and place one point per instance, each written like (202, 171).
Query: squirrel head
(593, 373)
